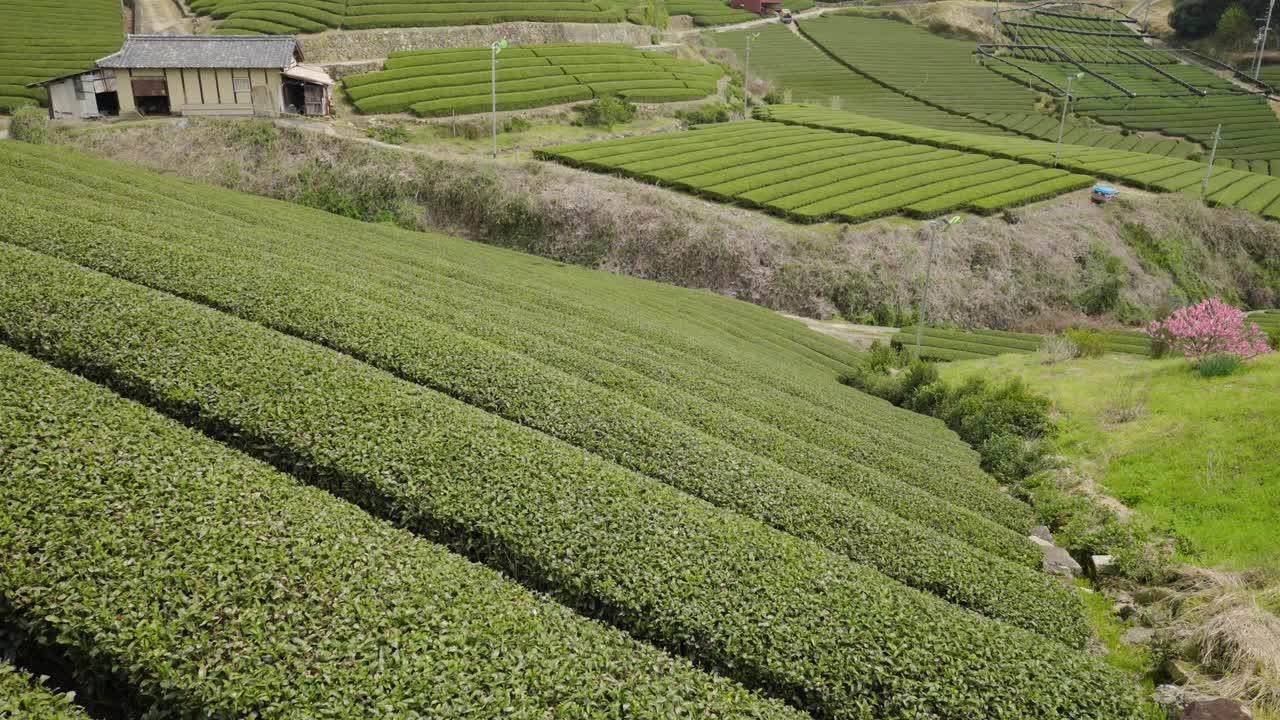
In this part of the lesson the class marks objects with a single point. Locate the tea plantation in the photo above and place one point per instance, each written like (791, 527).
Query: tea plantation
(43, 39)
(1250, 191)
(376, 421)
(447, 82)
(812, 174)
(718, 12)
(273, 17)
(945, 344)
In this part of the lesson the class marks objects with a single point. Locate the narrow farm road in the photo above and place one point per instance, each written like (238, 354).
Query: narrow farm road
(161, 17)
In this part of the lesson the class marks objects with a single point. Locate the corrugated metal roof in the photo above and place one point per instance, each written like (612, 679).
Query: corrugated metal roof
(204, 51)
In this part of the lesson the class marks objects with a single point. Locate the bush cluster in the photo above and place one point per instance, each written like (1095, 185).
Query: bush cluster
(23, 695)
(30, 124)
(199, 535)
(611, 543)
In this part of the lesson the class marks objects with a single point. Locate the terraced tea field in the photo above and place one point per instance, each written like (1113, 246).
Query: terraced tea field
(669, 463)
(1250, 191)
(917, 63)
(1109, 38)
(810, 76)
(273, 17)
(718, 12)
(813, 175)
(1268, 321)
(43, 39)
(448, 82)
(944, 344)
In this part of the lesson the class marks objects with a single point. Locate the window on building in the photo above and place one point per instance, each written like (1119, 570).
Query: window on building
(240, 85)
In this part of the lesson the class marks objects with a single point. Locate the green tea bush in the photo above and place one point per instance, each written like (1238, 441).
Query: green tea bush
(705, 114)
(612, 543)
(30, 123)
(198, 535)
(1088, 343)
(392, 133)
(516, 124)
(606, 112)
(23, 695)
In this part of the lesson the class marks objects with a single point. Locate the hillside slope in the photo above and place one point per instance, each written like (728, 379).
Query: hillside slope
(649, 456)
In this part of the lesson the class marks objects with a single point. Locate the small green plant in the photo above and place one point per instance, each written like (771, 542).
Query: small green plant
(1057, 349)
(606, 112)
(1219, 365)
(1089, 343)
(705, 114)
(516, 124)
(30, 124)
(392, 134)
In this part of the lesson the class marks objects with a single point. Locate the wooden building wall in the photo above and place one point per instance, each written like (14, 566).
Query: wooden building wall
(208, 91)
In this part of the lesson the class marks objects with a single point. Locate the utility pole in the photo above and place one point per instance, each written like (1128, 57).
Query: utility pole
(494, 49)
(1062, 125)
(1262, 41)
(1213, 155)
(746, 73)
(928, 275)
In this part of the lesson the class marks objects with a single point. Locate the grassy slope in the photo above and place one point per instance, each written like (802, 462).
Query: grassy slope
(1201, 458)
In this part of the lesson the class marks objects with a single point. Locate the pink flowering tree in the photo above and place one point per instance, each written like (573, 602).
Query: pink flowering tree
(1210, 327)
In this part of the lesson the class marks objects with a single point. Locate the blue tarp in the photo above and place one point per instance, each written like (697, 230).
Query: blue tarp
(1104, 190)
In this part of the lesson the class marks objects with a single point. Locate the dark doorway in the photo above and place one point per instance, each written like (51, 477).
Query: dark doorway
(108, 103)
(151, 95)
(295, 98)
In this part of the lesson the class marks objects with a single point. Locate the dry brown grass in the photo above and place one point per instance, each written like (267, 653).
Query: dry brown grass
(1228, 624)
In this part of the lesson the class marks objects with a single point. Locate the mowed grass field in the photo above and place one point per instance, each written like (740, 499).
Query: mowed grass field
(43, 39)
(1194, 460)
(666, 462)
(1250, 191)
(276, 17)
(811, 175)
(445, 82)
(799, 69)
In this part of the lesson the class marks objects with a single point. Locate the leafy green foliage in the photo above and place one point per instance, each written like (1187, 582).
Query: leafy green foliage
(25, 696)
(1218, 365)
(44, 39)
(458, 81)
(1236, 187)
(606, 112)
(30, 124)
(812, 175)
(613, 543)
(198, 536)
(1088, 343)
(282, 18)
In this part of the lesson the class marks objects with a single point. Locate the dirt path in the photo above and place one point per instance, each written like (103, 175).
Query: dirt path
(161, 17)
(860, 335)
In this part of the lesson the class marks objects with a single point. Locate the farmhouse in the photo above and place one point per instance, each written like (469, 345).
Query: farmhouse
(195, 75)
(758, 6)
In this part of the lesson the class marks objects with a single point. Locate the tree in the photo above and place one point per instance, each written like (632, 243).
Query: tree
(1207, 329)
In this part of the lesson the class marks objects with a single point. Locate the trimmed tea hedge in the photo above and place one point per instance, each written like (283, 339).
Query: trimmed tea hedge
(807, 75)
(814, 175)
(607, 542)
(943, 344)
(182, 579)
(292, 16)
(44, 39)
(613, 427)
(434, 83)
(718, 12)
(782, 614)
(1239, 188)
(23, 695)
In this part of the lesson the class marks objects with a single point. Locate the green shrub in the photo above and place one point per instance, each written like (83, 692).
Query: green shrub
(1088, 343)
(391, 133)
(516, 124)
(612, 543)
(30, 123)
(199, 535)
(705, 114)
(1218, 365)
(26, 696)
(606, 112)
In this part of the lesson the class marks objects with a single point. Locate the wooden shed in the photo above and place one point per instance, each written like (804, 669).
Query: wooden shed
(758, 6)
(195, 75)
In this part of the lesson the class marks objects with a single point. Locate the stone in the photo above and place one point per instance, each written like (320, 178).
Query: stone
(1103, 565)
(1042, 532)
(1172, 699)
(1125, 611)
(1056, 560)
(1218, 709)
(1177, 672)
(1137, 636)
